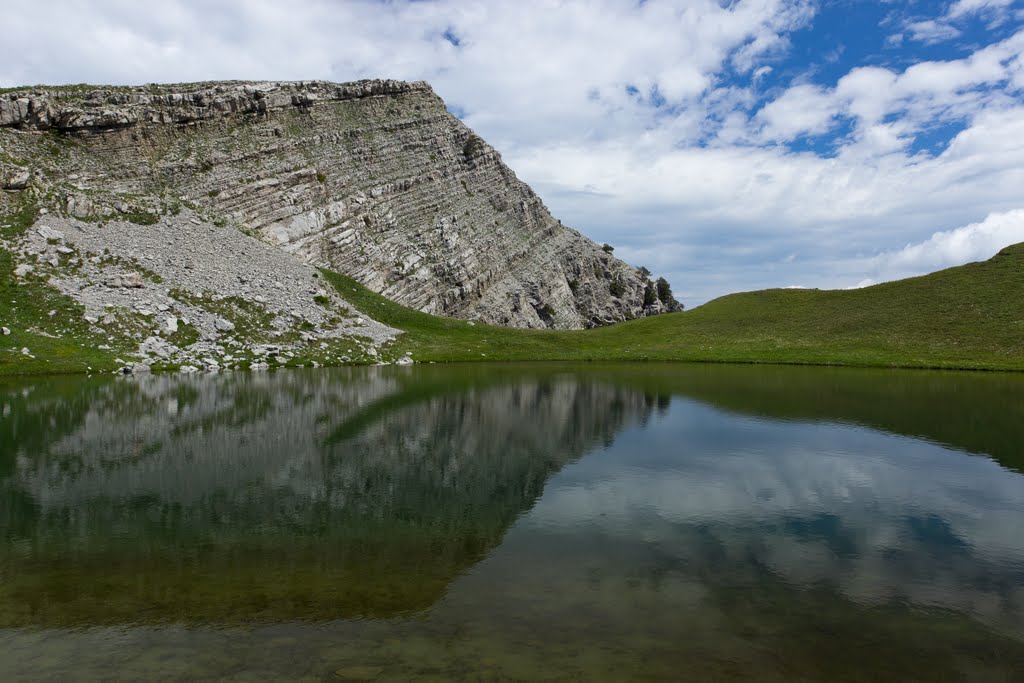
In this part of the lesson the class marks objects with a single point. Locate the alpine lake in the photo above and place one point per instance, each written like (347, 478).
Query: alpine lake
(514, 522)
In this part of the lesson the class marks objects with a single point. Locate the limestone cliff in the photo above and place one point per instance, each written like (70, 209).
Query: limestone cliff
(375, 179)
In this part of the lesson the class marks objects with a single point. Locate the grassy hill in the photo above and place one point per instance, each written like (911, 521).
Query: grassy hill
(969, 317)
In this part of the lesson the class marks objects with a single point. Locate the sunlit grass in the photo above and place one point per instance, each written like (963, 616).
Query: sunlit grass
(969, 317)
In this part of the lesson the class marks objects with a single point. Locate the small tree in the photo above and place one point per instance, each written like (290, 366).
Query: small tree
(650, 294)
(643, 271)
(607, 248)
(665, 296)
(664, 290)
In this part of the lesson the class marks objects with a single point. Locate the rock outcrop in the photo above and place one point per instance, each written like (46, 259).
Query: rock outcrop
(375, 179)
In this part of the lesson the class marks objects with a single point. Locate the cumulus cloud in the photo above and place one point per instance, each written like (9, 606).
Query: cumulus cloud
(802, 110)
(974, 242)
(920, 96)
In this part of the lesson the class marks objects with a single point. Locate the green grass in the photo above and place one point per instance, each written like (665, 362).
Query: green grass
(59, 343)
(968, 317)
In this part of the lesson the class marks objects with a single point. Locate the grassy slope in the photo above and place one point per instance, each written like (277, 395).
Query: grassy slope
(58, 343)
(970, 316)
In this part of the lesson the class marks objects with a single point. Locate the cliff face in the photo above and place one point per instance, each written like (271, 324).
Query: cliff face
(375, 179)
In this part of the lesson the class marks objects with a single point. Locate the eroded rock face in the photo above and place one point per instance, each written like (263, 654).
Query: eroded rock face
(375, 179)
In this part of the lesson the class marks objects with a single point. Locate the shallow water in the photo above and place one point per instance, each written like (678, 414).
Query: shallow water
(521, 522)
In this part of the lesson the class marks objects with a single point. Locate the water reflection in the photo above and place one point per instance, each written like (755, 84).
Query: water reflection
(593, 521)
(271, 496)
(881, 520)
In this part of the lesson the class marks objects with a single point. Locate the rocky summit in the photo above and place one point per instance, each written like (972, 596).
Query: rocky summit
(375, 179)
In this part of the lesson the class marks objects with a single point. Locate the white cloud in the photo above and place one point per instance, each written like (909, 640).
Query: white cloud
(932, 31)
(923, 94)
(974, 242)
(962, 8)
(803, 109)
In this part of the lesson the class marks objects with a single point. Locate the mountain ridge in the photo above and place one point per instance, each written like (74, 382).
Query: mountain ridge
(375, 179)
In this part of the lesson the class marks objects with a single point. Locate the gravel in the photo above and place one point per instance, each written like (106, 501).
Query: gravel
(113, 266)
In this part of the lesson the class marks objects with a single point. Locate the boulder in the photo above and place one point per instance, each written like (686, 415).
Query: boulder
(127, 280)
(48, 233)
(15, 179)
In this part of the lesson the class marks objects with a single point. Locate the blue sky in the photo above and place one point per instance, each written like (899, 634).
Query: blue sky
(728, 145)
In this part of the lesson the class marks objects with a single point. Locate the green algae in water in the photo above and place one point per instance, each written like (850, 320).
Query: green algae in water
(514, 522)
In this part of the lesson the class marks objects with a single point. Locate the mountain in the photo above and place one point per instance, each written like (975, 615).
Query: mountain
(213, 226)
(375, 179)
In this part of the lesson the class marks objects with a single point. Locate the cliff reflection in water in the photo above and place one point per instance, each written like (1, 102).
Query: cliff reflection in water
(306, 495)
(372, 492)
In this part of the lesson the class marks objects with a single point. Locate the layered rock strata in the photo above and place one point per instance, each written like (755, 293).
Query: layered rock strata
(375, 179)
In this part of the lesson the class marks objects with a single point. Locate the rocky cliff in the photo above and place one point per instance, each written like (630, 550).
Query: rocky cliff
(375, 179)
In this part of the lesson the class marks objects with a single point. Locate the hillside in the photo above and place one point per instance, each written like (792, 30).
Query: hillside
(969, 317)
(374, 179)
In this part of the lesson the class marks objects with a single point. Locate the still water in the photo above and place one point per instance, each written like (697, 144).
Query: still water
(520, 522)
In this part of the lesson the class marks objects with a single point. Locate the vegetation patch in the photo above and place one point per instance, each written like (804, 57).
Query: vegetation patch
(50, 326)
(473, 147)
(140, 217)
(252, 322)
(185, 336)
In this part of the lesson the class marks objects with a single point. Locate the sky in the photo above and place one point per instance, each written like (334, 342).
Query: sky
(728, 145)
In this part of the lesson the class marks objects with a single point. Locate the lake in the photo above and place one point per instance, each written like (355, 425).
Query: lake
(526, 522)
